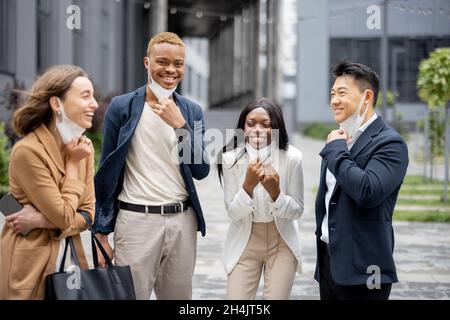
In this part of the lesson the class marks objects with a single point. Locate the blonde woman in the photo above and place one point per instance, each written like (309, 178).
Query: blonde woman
(51, 174)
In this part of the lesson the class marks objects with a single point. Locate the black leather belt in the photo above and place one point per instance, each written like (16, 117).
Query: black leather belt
(170, 208)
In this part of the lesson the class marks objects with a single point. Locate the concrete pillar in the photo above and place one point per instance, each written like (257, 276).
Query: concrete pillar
(313, 62)
(63, 44)
(158, 16)
(272, 52)
(384, 63)
(116, 36)
(235, 75)
(93, 38)
(237, 54)
(228, 59)
(130, 47)
(254, 49)
(26, 45)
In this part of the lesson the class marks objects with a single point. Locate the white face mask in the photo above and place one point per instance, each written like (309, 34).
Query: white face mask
(160, 92)
(352, 123)
(67, 129)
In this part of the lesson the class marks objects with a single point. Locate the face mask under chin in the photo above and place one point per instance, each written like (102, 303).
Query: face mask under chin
(354, 122)
(159, 91)
(68, 129)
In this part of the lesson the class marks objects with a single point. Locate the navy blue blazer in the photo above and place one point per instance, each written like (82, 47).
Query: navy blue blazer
(369, 177)
(119, 125)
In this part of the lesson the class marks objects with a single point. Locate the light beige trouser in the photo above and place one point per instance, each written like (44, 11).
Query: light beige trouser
(266, 251)
(161, 250)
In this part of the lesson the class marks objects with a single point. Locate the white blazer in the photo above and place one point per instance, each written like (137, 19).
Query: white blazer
(287, 208)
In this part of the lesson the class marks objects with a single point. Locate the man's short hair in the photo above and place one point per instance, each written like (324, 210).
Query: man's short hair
(164, 37)
(364, 77)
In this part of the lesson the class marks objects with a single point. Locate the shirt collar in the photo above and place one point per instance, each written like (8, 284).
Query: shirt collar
(364, 127)
(261, 154)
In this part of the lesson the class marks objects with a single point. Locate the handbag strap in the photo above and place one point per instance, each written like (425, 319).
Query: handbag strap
(95, 241)
(111, 269)
(73, 254)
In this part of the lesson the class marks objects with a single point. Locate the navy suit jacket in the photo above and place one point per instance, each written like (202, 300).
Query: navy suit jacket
(120, 123)
(369, 177)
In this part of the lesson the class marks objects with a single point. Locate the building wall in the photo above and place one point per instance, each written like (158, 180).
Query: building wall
(194, 85)
(415, 28)
(237, 67)
(287, 55)
(406, 18)
(313, 57)
(110, 45)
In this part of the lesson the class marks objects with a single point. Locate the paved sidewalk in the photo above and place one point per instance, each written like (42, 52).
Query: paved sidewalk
(422, 250)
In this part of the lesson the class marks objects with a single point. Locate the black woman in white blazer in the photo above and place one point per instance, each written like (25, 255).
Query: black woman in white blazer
(263, 186)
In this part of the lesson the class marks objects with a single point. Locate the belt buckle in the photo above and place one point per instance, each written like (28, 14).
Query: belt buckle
(180, 206)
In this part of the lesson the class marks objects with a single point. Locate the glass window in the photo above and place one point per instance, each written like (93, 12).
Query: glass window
(408, 54)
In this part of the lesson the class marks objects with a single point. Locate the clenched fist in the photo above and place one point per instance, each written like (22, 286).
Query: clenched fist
(255, 172)
(271, 182)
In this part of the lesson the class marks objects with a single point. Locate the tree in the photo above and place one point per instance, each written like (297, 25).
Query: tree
(4, 160)
(433, 83)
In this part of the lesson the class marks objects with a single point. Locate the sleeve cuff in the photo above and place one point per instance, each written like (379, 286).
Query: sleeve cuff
(86, 217)
(277, 204)
(182, 132)
(339, 143)
(245, 199)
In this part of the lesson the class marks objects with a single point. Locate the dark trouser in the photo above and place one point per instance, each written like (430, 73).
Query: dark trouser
(329, 290)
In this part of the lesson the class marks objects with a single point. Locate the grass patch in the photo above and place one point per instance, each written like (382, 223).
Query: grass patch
(422, 202)
(422, 216)
(422, 192)
(418, 180)
(318, 130)
(416, 186)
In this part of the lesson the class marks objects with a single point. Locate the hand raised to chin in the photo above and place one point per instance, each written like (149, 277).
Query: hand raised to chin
(169, 112)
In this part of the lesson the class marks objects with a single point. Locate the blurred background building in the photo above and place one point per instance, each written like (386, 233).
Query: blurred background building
(336, 30)
(236, 50)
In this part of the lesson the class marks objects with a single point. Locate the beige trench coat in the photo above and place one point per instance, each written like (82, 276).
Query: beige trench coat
(37, 177)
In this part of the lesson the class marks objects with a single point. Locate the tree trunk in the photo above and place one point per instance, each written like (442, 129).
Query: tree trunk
(426, 144)
(446, 141)
(432, 145)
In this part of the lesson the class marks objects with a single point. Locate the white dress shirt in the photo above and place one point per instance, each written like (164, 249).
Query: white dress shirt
(331, 180)
(243, 209)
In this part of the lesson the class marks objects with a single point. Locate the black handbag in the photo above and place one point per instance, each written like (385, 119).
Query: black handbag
(110, 283)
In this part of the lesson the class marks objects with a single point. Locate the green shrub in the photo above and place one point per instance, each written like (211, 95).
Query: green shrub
(318, 130)
(433, 80)
(4, 156)
(401, 126)
(96, 138)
